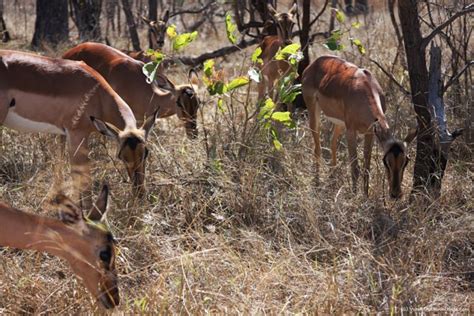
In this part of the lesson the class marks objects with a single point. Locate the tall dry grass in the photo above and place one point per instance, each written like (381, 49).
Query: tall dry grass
(230, 231)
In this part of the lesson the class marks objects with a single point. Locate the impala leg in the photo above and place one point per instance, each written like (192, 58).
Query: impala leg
(336, 134)
(352, 146)
(59, 162)
(368, 143)
(80, 170)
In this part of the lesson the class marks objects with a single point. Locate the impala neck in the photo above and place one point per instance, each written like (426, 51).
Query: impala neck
(28, 231)
(123, 116)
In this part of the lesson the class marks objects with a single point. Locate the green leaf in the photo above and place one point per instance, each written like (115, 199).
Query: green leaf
(256, 56)
(183, 40)
(236, 83)
(217, 87)
(155, 55)
(359, 45)
(283, 118)
(277, 144)
(356, 25)
(220, 105)
(340, 16)
(286, 51)
(149, 70)
(171, 31)
(230, 28)
(208, 67)
(267, 109)
(254, 74)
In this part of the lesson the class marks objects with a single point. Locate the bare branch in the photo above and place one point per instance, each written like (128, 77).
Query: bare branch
(193, 61)
(193, 10)
(319, 14)
(405, 91)
(456, 77)
(427, 39)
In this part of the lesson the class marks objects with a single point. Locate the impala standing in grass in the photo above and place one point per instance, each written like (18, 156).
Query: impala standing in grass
(125, 75)
(271, 69)
(353, 100)
(65, 97)
(85, 243)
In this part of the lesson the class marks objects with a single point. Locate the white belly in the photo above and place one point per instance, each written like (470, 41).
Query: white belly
(336, 121)
(19, 123)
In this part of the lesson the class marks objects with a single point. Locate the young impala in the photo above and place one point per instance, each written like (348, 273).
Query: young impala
(65, 97)
(85, 243)
(156, 36)
(271, 69)
(126, 77)
(352, 99)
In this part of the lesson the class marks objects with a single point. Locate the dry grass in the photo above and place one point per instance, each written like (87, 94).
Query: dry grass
(252, 234)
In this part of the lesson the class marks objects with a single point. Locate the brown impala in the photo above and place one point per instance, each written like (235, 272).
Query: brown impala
(85, 244)
(352, 99)
(41, 94)
(273, 69)
(126, 77)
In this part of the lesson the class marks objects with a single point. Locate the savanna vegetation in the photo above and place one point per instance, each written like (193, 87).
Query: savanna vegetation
(234, 221)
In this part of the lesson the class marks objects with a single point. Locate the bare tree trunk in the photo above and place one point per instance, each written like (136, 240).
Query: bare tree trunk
(152, 10)
(51, 26)
(132, 28)
(3, 26)
(304, 41)
(430, 162)
(86, 16)
(110, 8)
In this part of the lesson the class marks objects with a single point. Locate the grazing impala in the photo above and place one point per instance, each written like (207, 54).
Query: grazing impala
(41, 94)
(126, 77)
(351, 98)
(273, 69)
(156, 37)
(85, 243)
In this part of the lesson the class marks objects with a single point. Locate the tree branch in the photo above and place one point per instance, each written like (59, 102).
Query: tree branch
(456, 77)
(405, 91)
(193, 10)
(427, 39)
(319, 14)
(193, 61)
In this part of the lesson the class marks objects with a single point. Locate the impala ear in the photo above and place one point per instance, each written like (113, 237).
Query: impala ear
(106, 129)
(146, 20)
(100, 206)
(193, 79)
(271, 10)
(164, 83)
(166, 16)
(149, 123)
(382, 134)
(410, 136)
(293, 9)
(69, 212)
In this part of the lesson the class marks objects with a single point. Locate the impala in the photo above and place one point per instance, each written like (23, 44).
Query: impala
(85, 243)
(352, 99)
(156, 37)
(126, 77)
(41, 94)
(273, 69)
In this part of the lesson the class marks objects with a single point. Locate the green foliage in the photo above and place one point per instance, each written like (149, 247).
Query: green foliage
(149, 70)
(268, 115)
(256, 56)
(334, 42)
(183, 40)
(171, 31)
(216, 84)
(236, 83)
(287, 51)
(231, 28)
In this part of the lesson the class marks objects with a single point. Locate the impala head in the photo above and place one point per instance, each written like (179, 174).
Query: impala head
(157, 30)
(187, 101)
(284, 22)
(131, 148)
(90, 247)
(395, 158)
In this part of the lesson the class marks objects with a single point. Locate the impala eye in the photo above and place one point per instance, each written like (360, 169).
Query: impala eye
(106, 255)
